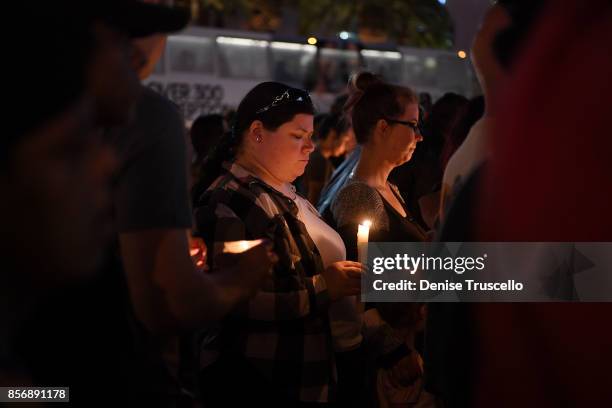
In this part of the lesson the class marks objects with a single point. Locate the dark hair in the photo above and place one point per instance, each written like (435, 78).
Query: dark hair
(442, 119)
(371, 99)
(327, 124)
(471, 113)
(318, 121)
(206, 131)
(274, 104)
(425, 102)
(338, 104)
(523, 15)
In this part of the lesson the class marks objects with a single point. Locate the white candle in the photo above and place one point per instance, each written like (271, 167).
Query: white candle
(237, 247)
(363, 233)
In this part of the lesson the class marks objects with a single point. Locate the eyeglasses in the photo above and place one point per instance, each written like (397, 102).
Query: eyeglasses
(412, 125)
(290, 95)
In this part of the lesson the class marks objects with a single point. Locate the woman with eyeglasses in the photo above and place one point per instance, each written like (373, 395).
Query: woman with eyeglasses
(278, 348)
(385, 120)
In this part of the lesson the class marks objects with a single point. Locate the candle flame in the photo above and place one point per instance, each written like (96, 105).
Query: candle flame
(236, 247)
(367, 223)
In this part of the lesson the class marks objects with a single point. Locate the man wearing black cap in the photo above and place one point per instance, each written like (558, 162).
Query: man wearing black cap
(153, 217)
(112, 77)
(55, 215)
(167, 293)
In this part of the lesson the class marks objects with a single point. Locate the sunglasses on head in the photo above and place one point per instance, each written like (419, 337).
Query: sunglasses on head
(289, 96)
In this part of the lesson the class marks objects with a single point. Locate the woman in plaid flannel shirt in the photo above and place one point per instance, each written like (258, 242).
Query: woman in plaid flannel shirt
(277, 348)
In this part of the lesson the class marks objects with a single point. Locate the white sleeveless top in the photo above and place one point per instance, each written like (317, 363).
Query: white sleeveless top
(345, 318)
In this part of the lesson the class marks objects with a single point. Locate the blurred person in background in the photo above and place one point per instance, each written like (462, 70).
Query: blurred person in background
(303, 183)
(206, 131)
(152, 209)
(168, 292)
(345, 141)
(563, 185)
(490, 74)
(422, 175)
(55, 174)
(454, 338)
(344, 165)
(429, 204)
(506, 25)
(395, 374)
(426, 102)
(470, 114)
(331, 140)
(114, 328)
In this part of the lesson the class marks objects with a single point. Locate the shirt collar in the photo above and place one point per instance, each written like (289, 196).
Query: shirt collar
(249, 178)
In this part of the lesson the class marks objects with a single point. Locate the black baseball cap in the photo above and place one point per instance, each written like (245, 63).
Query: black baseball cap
(47, 58)
(136, 18)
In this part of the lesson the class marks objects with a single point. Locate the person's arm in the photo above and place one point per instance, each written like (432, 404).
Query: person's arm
(167, 291)
(153, 217)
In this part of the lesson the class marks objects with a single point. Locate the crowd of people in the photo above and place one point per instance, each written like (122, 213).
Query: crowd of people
(134, 275)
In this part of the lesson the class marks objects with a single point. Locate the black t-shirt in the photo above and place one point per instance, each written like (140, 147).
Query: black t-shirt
(151, 188)
(87, 336)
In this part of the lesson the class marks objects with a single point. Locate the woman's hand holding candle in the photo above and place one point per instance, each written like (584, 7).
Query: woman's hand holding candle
(343, 278)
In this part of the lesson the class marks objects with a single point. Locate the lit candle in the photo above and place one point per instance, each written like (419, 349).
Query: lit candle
(362, 241)
(237, 247)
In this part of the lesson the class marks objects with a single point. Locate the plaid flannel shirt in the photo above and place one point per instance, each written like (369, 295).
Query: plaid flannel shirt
(284, 330)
